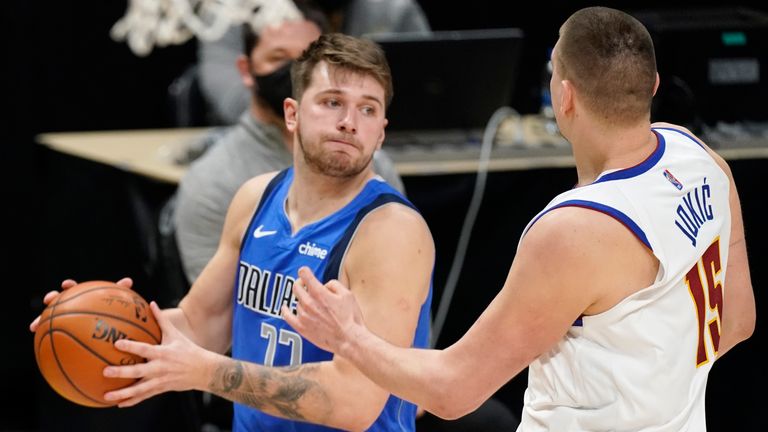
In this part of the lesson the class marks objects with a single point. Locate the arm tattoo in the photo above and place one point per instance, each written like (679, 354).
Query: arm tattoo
(284, 391)
(231, 378)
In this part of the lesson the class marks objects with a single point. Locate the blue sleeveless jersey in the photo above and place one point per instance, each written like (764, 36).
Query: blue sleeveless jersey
(270, 258)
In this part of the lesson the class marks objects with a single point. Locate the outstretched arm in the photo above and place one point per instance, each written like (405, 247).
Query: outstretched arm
(313, 392)
(549, 285)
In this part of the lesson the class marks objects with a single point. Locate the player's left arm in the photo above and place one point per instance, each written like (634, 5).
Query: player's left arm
(388, 269)
(739, 315)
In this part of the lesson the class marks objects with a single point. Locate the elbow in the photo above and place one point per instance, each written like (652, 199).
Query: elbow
(452, 410)
(737, 330)
(449, 404)
(746, 327)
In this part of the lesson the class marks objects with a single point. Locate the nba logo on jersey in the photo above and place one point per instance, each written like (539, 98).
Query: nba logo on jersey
(672, 179)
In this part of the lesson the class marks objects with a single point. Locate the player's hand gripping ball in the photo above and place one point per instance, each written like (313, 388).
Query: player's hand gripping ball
(76, 336)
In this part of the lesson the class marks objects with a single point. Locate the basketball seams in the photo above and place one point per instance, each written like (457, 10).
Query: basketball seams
(79, 342)
(57, 360)
(64, 371)
(56, 355)
(83, 292)
(118, 318)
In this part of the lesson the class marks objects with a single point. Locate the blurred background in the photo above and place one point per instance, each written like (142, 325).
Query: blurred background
(67, 217)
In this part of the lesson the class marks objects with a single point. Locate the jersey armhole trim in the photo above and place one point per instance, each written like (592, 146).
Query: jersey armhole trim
(690, 137)
(602, 208)
(271, 186)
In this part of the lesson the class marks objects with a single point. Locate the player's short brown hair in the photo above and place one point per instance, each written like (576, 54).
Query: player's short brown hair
(608, 56)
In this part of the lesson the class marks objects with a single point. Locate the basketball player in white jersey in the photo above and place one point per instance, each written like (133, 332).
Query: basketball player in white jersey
(624, 290)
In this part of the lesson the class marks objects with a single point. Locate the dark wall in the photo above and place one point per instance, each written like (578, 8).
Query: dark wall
(71, 218)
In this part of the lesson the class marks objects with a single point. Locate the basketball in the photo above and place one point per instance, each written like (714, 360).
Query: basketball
(75, 339)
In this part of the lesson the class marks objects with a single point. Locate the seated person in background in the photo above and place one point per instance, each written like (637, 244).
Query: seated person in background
(257, 144)
(223, 88)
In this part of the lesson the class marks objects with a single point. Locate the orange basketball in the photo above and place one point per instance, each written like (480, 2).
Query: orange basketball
(76, 336)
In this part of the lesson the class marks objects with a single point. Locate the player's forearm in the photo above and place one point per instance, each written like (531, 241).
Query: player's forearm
(423, 376)
(306, 392)
(285, 392)
(739, 315)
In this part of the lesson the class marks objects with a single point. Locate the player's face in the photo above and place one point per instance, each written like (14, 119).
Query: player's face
(340, 121)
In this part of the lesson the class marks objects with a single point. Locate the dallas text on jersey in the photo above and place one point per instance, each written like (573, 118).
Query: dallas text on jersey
(264, 292)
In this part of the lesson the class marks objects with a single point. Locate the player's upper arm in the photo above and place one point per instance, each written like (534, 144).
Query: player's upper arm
(389, 269)
(568, 264)
(208, 305)
(738, 320)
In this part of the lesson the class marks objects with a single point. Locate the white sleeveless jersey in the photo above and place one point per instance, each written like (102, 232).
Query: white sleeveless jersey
(642, 365)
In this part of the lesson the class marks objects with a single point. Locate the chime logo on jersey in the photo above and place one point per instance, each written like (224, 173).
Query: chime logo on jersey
(313, 250)
(672, 179)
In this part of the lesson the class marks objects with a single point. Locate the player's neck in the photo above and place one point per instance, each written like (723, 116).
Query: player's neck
(600, 149)
(314, 196)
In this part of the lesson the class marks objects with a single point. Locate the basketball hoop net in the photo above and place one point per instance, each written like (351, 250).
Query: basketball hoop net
(149, 23)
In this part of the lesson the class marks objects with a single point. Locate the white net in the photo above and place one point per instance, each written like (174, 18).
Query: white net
(150, 23)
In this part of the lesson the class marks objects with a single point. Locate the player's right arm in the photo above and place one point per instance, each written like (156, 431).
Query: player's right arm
(739, 315)
(552, 281)
(205, 313)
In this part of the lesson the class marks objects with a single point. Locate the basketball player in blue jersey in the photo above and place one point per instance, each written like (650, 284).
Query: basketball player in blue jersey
(624, 290)
(329, 212)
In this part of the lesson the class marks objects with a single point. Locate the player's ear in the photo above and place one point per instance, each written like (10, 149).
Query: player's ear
(656, 84)
(567, 96)
(382, 135)
(291, 109)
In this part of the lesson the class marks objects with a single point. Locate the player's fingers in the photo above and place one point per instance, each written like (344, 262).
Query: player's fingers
(139, 348)
(33, 325)
(50, 296)
(134, 394)
(166, 326)
(130, 371)
(335, 286)
(303, 296)
(135, 400)
(125, 282)
(68, 283)
(299, 284)
(313, 285)
(292, 319)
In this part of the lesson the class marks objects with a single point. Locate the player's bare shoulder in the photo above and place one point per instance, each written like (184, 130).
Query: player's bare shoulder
(250, 193)
(396, 224)
(391, 239)
(244, 204)
(718, 159)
